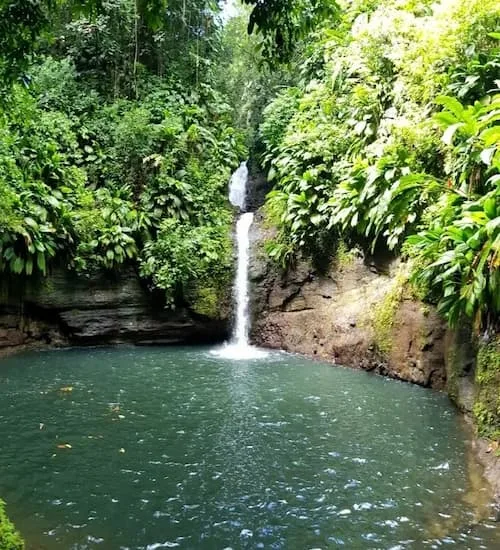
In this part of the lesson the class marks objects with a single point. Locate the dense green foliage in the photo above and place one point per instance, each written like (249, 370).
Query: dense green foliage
(117, 147)
(118, 136)
(9, 537)
(393, 142)
(284, 23)
(117, 123)
(249, 83)
(459, 250)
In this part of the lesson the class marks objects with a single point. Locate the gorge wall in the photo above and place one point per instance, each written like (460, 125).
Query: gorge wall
(354, 315)
(65, 309)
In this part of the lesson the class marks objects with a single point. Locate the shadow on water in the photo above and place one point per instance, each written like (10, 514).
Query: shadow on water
(476, 496)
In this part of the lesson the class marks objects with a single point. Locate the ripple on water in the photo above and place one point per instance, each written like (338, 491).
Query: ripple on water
(271, 451)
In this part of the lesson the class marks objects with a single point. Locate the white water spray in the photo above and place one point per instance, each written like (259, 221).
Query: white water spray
(241, 285)
(238, 186)
(239, 347)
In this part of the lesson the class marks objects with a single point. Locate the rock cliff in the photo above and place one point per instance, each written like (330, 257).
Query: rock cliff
(349, 315)
(67, 309)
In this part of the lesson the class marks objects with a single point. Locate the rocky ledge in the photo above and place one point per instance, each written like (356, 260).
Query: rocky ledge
(65, 309)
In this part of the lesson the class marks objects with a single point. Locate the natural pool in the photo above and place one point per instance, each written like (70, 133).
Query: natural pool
(177, 448)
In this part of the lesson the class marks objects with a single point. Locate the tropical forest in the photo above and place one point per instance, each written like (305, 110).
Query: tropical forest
(249, 274)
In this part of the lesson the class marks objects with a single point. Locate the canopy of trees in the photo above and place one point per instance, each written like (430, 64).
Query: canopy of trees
(283, 24)
(116, 145)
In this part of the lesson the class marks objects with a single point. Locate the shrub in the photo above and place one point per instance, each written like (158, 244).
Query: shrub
(10, 539)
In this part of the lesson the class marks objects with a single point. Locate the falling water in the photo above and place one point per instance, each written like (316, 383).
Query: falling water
(241, 290)
(239, 347)
(238, 186)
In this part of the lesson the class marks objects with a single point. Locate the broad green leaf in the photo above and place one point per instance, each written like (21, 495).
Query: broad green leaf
(29, 266)
(491, 136)
(490, 207)
(40, 260)
(17, 265)
(31, 223)
(487, 155)
(452, 105)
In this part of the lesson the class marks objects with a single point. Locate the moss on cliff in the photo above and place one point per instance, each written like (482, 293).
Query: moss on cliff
(210, 298)
(10, 539)
(345, 256)
(206, 302)
(487, 404)
(385, 313)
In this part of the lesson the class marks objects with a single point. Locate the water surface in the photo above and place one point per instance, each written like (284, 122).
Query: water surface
(177, 448)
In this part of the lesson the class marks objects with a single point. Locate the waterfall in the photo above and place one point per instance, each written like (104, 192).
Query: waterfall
(241, 283)
(239, 347)
(238, 186)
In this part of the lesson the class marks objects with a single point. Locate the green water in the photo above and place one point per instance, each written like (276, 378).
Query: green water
(176, 448)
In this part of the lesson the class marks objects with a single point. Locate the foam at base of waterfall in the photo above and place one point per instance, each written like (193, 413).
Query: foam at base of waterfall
(239, 352)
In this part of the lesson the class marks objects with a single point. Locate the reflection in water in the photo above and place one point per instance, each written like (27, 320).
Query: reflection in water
(475, 495)
(178, 448)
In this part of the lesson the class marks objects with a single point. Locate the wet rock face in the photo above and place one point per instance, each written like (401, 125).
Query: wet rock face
(460, 363)
(20, 331)
(65, 309)
(257, 187)
(418, 349)
(331, 317)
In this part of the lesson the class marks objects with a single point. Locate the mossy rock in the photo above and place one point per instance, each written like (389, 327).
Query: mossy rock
(210, 299)
(345, 256)
(385, 314)
(10, 539)
(487, 404)
(206, 302)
